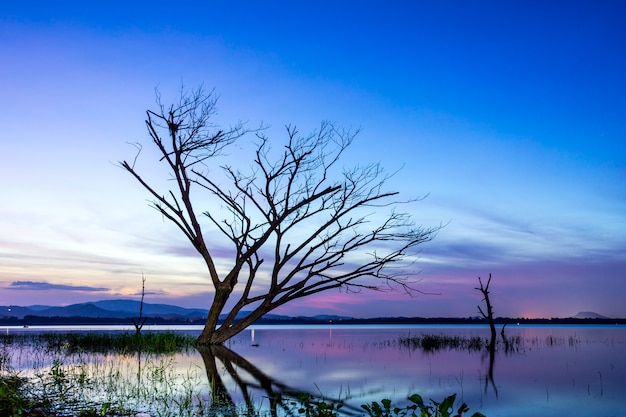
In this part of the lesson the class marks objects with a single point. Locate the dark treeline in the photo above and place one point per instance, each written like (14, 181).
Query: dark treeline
(443, 320)
(51, 321)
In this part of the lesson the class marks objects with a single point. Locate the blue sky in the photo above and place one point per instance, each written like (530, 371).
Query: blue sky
(509, 116)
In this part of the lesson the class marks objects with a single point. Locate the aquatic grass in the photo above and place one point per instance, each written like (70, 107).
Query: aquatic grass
(103, 342)
(96, 384)
(13, 339)
(571, 341)
(5, 358)
(124, 343)
(99, 373)
(432, 343)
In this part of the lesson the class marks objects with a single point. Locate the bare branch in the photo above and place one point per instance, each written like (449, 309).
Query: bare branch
(298, 223)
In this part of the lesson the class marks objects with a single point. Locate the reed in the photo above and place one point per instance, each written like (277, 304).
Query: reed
(123, 343)
(434, 343)
(96, 373)
(89, 384)
(431, 343)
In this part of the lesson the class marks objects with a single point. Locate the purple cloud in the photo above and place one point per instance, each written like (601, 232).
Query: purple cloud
(38, 286)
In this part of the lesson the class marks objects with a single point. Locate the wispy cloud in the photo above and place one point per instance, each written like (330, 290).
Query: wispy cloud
(147, 293)
(38, 286)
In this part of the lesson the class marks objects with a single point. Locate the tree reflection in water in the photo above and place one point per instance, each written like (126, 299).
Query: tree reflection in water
(249, 378)
(489, 380)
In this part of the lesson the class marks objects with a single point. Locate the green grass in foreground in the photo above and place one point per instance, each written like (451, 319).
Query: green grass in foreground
(308, 407)
(14, 403)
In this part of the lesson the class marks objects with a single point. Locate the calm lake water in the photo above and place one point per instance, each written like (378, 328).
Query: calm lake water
(557, 370)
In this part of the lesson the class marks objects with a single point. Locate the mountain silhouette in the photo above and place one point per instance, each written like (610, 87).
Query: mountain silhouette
(589, 315)
(104, 309)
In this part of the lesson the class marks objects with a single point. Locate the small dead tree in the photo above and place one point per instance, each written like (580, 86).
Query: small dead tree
(484, 289)
(297, 223)
(141, 320)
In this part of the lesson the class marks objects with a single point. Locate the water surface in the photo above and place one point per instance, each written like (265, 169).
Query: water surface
(557, 370)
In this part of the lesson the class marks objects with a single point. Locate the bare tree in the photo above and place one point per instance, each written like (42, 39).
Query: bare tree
(298, 223)
(141, 320)
(488, 315)
(484, 290)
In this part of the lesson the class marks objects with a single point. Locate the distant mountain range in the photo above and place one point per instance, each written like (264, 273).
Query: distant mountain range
(119, 311)
(126, 309)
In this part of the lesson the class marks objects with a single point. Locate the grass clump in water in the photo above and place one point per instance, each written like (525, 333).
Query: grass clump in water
(432, 343)
(122, 343)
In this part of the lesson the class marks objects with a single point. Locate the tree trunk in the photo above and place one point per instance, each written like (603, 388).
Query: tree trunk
(492, 324)
(210, 334)
(484, 289)
(218, 335)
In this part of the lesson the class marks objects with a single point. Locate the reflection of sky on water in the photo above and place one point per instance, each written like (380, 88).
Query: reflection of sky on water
(581, 371)
(571, 371)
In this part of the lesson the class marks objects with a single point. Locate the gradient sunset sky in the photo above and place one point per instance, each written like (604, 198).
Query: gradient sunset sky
(510, 116)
